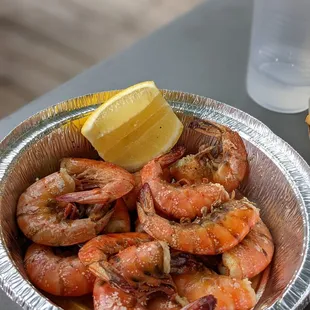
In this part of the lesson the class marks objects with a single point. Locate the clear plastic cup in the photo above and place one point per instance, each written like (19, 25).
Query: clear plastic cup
(278, 76)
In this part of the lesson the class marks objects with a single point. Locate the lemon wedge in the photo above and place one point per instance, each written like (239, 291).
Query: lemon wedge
(133, 127)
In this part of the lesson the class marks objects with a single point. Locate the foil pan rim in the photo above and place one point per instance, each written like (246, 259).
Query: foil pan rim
(292, 164)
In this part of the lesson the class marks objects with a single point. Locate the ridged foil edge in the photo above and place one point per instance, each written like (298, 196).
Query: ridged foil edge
(286, 158)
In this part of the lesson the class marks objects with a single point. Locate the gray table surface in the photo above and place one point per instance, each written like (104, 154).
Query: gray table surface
(203, 52)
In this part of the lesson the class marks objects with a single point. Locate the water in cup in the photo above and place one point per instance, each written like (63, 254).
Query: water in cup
(279, 65)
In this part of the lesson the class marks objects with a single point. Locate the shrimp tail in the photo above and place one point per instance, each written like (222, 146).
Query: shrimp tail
(167, 159)
(146, 200)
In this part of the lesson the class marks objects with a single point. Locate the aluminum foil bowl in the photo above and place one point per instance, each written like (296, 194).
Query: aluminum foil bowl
(279, 182)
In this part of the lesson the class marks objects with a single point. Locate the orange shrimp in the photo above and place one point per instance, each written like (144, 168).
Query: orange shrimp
(98, 181)
(137, 265)
(145, 267)
(227, 166)
(107, 297)
(60, 274)
(165, 161)
(228, 292)
(251, 256)
(215, 233)
(181, 201)
(44, 220)
(120, 220)
(95, 254)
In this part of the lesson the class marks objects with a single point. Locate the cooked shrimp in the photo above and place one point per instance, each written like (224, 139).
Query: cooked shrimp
(60, 274)
(107, 297)
(165, 161)
(44, 220)
(98, 181)
(145, 267)
(181, 201)
(215, 233)
(251, 256)
(96, 254)
(137, 265)
(120, 220)
(225, 164)
(163, 303)
(228, 292)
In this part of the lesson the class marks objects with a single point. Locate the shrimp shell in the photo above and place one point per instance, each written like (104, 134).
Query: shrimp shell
(57, 275)
(95, 254)
(100, 182)
(251, 256)
(40, 221)
(165, 161)
(107, 297)
(215, 233)
(230, 166)
(181, 201)
(229, 293)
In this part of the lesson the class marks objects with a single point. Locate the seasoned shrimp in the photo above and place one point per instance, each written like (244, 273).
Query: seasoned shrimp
(96, 254)
(165, 161)
(251, 256)
(145, 267)
(181, 201)
(225, 164)
(215, 233)
(228, 292)
(137, 264)
(60, 274)
(98, 181)
(107, 297)
(44, 220)
(120, 220)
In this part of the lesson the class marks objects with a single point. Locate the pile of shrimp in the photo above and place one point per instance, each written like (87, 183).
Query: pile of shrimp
(170, 236)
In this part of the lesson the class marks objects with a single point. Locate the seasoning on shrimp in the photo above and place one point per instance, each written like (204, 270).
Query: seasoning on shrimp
(95, 254)
(225, 163)
(145, 267)
(179, 201)
(57, 272)
(165, 161)
(107, 297)
(45, 221)
(228, 292)
(251, 256)
(215, 233)
(130, 261)
(97, 181)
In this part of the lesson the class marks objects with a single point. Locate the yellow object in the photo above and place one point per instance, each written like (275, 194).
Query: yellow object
(133, 127)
